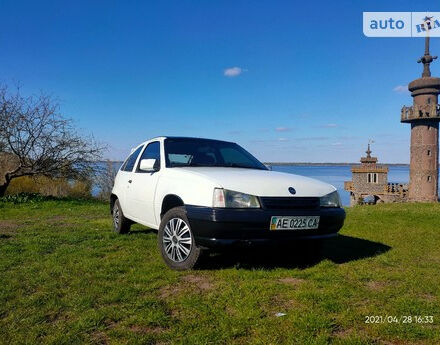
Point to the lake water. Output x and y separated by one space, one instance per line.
337 174
333 174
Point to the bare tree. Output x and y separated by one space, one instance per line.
36 139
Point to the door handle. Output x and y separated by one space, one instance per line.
130 181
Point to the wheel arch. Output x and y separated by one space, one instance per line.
113 198
170 201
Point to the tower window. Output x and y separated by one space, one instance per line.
429 100
372 178
429 178
429 152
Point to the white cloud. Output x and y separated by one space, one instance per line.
283 129
283 139
349 137
233 72
327 125
401 89
314 138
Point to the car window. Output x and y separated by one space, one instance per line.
179 158
131 160
152 151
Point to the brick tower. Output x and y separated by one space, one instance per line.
424 117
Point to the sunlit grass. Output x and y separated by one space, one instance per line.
65 277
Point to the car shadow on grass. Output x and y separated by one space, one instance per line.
142 231
340 249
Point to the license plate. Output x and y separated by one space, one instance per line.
294 223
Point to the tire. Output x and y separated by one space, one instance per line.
121 225
176 240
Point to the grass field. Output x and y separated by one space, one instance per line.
66 278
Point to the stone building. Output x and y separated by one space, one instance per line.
424 117
370 181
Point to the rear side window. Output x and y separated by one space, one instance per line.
152 151
131 160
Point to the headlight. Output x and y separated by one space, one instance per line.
331 200
231 199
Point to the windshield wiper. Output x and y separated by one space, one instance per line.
199 165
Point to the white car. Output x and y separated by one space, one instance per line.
202 193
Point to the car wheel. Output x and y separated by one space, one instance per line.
121 225
176 240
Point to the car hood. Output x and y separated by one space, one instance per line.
262 182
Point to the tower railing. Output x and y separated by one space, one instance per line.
396 188
369 168
420 112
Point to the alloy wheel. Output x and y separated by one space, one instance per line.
116 217
177 240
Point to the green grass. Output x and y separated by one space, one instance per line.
66 278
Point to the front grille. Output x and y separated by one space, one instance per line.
289 202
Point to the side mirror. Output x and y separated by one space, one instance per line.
148 165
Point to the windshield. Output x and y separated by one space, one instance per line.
184 152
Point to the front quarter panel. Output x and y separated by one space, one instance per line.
191 188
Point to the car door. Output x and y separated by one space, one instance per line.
143 186
124 179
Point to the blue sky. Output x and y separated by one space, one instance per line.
311 88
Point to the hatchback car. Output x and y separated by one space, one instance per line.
203 193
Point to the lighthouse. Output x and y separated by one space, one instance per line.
424 118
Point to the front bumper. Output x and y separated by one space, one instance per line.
213 227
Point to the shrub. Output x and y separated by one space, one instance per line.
56 187
21 198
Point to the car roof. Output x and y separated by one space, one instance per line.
185 138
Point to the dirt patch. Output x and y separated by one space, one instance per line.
376 285
58 220
428 297
8 228
100 338
280 304
147 329
343 332
398 342
187 283
200 282
170 290
291 281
